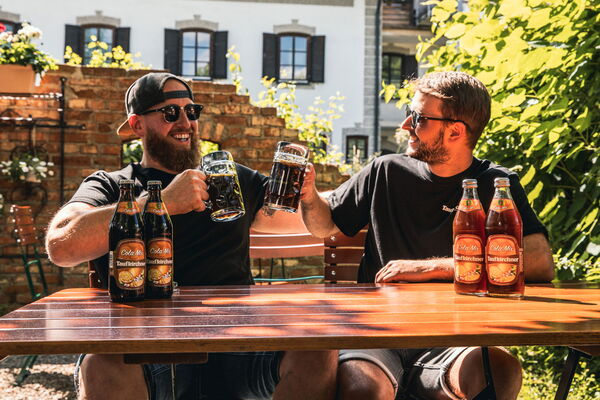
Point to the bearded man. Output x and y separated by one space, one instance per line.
408 201
161 111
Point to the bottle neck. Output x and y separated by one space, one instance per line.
154 196
502 192
470 193
126 195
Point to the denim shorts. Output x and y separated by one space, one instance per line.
414 373
241 375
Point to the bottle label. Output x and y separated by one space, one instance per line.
500 205
469 205
129 266
128 207
160 262
157 208
504 257
468 258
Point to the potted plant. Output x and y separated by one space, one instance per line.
20 59
26 167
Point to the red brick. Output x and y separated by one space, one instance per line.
236 98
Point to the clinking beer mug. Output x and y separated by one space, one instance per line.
226 202
287 176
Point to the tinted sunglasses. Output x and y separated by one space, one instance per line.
415 118
171 112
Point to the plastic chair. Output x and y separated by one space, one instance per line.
27 239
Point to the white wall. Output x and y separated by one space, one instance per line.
245 21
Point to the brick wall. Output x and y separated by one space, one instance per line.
94 97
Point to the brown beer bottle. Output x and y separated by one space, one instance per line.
468 231
127 254
158 232
504 248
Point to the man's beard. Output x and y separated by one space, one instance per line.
171 156
434 153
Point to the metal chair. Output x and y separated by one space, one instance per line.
27 238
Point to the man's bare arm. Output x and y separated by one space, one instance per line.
315 209
537 258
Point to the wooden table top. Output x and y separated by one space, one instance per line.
300 317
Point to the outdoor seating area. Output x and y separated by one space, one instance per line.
324 199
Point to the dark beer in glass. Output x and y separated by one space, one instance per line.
226 202
158 234
469 242
287 177
127 254
504 248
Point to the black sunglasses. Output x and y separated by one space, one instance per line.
415 118
171 112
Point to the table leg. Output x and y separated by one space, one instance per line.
568 372
488 393
173 391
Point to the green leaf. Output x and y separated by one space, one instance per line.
455 31
514 100
591 217
528 176
535 192
549 206
539 18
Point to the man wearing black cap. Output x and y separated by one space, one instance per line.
161 111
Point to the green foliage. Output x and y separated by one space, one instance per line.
17 48
539 60
313 127
133 150
103 57
542 367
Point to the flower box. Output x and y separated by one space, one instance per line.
16 78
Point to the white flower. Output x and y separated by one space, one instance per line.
30 31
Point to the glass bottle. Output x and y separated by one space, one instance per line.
468 231
504 248
158 232
127 254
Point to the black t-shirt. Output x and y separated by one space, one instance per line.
410 210
205 252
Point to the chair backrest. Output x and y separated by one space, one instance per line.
93 278
275 245
27 239
342 256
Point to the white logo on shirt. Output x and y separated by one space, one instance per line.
448 209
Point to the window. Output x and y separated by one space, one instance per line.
96 33
78 37
356 147
10 26
195 54
395 68
294 57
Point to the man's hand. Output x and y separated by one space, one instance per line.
309 193
416 270
187 192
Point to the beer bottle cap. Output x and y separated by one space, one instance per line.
155 183
501 182
126 182
469 183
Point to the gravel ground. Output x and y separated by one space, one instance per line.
51 378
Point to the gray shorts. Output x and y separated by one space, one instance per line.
242 375
414 373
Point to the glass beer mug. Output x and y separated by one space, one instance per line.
287 176
225 195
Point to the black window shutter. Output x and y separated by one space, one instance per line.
270 55
73 37
172 51
410 67
317 59
219 60
18 26
123 38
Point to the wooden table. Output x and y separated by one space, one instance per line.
300 317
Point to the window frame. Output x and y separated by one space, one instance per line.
14 25
97 26
210 53
389 67
366 142
308 64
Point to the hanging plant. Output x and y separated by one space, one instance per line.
25 167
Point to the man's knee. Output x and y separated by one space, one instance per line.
358 379
101 375
466 375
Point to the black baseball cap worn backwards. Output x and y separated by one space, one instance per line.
146 92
